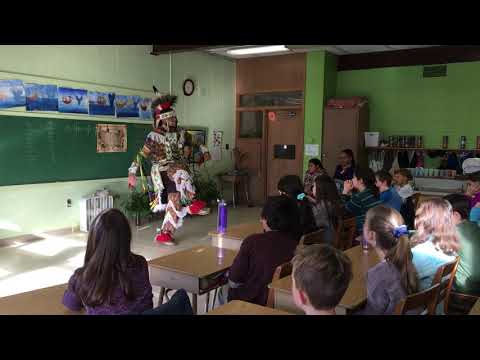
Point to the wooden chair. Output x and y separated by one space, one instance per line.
416 199
444 277
280 272
345 234
316 237
460 304
426 299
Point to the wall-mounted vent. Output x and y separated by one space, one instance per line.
434 71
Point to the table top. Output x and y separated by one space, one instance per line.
237 307
476 309
47 301
356 293
240 232
200 261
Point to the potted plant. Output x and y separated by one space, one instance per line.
137 206
206 187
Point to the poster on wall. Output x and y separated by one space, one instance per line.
217 145
145 108
72 100
12 93
196 137
41 97
101 103
111 138
127 105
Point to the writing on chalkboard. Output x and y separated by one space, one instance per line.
42 150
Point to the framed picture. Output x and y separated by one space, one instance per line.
195 136
111 138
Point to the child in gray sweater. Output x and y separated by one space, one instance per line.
395 277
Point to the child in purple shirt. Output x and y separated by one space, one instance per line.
113 280
473 188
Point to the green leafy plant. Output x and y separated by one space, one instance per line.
137 204
206 187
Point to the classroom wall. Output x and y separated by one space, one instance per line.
402 102
126 70
320 85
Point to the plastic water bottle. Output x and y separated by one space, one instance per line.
222 217
365 245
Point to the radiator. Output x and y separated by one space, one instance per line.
91 207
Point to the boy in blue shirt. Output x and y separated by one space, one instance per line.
388 194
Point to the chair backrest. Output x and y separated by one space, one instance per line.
425 299
416 199
316 237
345 233
280 272
444 277
408 210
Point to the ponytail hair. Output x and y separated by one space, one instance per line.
392 237
292 186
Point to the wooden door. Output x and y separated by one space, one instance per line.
251 141
339 133
284 147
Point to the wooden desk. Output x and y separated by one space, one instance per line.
234 236
237 307
476 309
355 295
47 301
197 270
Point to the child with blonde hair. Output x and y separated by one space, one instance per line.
435 242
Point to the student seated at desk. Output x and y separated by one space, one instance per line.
321 275
260 254
394 277
345 168
315 169
475 214
365 198
291 186
435 242
473 188
467 280
402 179
113 280
327 206
388 194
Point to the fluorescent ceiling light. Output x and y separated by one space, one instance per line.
258 50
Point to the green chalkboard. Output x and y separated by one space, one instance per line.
40 150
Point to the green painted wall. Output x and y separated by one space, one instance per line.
330 76
402 102
320 85
314 96
126 70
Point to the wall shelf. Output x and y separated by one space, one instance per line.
422 149
457 177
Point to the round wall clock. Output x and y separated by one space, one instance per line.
188 87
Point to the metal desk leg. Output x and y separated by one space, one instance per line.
207 302
160 298
194 304
245 184
234 191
